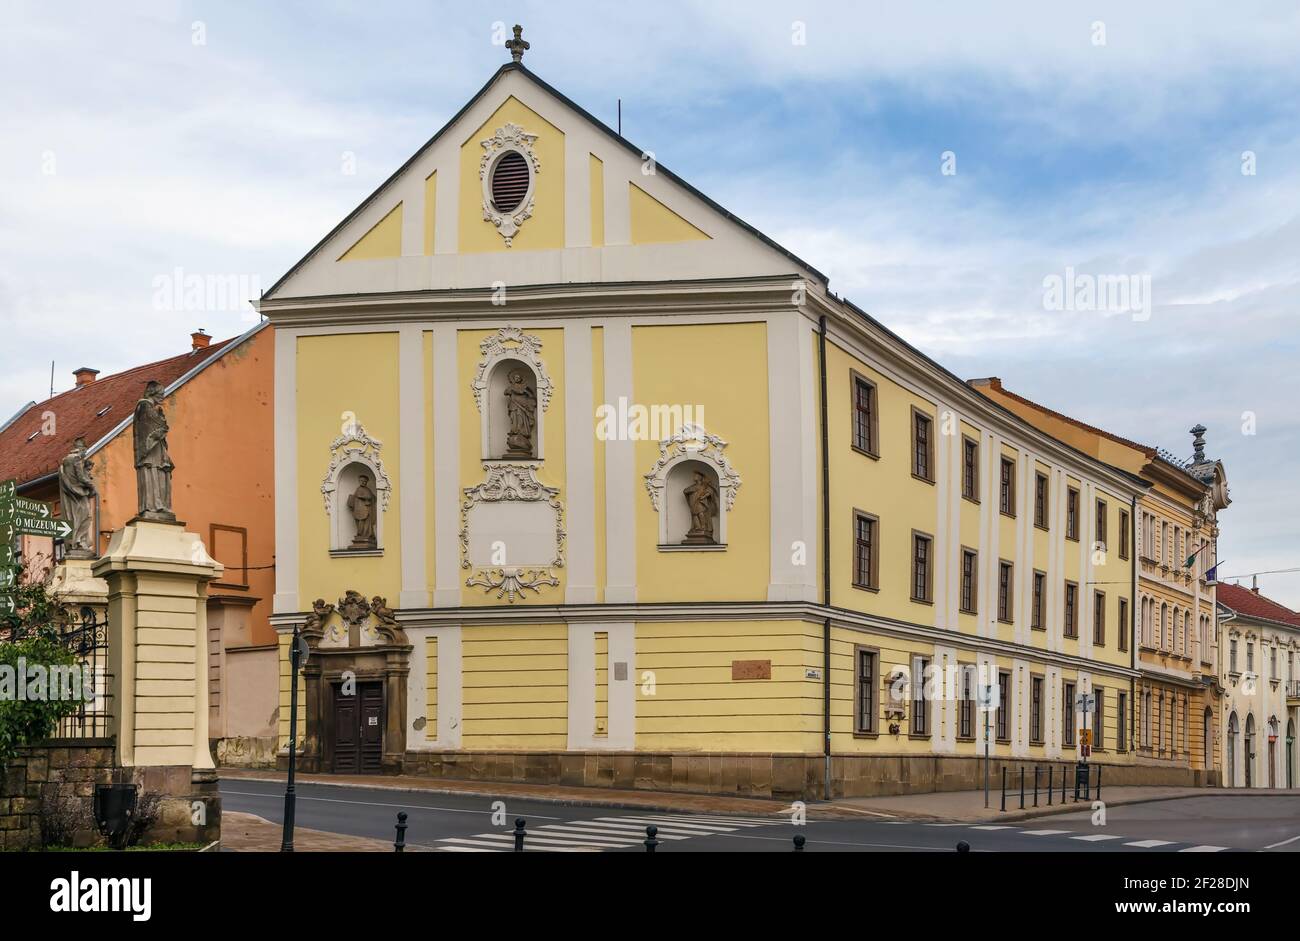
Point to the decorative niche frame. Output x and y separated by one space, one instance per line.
508 137
692 444
507 345
522 516
351 453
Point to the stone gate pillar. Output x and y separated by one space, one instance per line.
158 575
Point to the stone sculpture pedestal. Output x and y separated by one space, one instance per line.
73 583
157 576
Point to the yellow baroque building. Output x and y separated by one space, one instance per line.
1179 702
581 479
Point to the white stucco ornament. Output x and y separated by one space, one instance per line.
692 443
508 137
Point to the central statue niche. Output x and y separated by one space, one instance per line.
512 412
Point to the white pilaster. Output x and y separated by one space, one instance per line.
446 468
621 477
792 437
580 464
411 482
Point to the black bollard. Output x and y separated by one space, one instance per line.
1098 782
400 845
1004 787
1022 787
650 841
1064 775
798 842
520 833
963 846
1035 785
1049 785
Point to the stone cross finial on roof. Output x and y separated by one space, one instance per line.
518 46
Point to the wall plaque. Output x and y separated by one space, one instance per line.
751 669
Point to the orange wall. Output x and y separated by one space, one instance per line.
222 443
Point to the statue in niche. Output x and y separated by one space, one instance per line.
77 501
702 500
362 507
521 410
153 465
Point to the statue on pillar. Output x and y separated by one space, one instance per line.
77 495
153 465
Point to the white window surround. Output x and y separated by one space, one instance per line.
509 344
354 448
508 137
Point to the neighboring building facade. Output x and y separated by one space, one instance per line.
507 567
218 406
1263 641
1177 701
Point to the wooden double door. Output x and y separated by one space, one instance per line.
359 729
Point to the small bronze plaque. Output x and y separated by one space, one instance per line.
751 669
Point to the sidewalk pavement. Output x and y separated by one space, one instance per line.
248 833
954 806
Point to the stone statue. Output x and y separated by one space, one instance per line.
77 499
521 409
153 465
702 499
362 506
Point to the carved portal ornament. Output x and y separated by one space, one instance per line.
693 443
354 446
512 343
354 622
508 137
520 512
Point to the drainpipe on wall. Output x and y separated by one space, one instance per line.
826 563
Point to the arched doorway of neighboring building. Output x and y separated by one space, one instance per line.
1249 753
1232 750
1207 739
1272 751
1290 753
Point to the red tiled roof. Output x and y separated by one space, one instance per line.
1254 605
90 411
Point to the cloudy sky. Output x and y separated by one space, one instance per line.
1161 143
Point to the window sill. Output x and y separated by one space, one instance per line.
874 455
969 499
924 480
869 736
356 553
1009 516
874 589
678 547
929 601
919 736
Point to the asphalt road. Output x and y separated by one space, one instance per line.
471 823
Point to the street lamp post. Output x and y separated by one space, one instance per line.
290 799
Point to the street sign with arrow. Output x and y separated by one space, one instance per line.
11 507
7 605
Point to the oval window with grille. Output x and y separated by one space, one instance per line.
509 181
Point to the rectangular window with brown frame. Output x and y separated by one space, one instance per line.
866 416
1036 710
1123 624
922 446
1006 584
970 469
1124 534
1036 620
1099 718
1007 488
229 546
1099 618
868 659
1067 714
1072 514
1003 723
969 580
866 554
922 568
1071 609
920 703
1100 535
1041 487
966 708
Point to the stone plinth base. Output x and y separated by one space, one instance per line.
189 807
785 777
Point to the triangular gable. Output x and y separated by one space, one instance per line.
598 210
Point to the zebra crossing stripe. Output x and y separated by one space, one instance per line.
462 849
1148 844
697 829
723 821
992 827
615 836
1043 832
1096 837
1203 849
627 828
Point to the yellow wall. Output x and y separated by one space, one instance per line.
735 408
338 375
652 221
515 686
384 240
545 230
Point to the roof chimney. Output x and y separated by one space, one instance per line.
199 340
1254 584
85 375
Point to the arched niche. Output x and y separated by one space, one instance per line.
519 378
353 455
690 452
343 522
